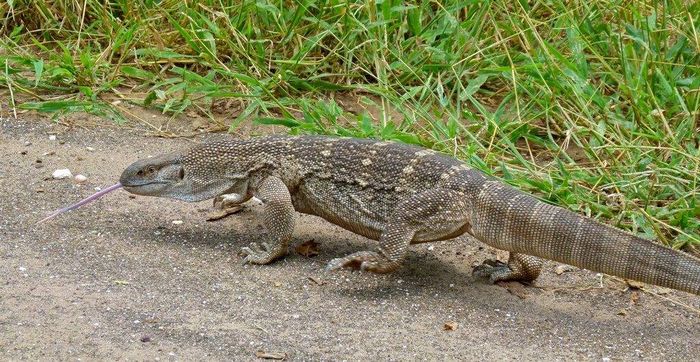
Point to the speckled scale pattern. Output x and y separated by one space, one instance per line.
399 195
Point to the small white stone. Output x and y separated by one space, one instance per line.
22 269
98 188
80 178
52 137
27 143
61 174
431 247
177 222
90 149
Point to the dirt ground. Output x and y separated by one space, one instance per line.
148 278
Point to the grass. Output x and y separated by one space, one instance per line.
591 105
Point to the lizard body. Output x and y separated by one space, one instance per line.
401 195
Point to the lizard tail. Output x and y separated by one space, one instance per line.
511 220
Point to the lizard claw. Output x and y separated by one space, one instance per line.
365 261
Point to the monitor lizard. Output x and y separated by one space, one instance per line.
399 195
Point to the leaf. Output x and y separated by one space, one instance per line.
38 70
450 326
220 214
308 248
287 122
138 73
473 86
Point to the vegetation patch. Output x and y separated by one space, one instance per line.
592 105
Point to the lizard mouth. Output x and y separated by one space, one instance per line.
141 184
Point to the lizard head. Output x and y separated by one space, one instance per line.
158 176
192 176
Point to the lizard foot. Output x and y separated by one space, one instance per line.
494 270
520 267
364 260
255 254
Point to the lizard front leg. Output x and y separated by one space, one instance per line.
431 215
278 217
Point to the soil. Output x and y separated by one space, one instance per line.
149 278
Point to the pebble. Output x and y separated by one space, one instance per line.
90 149
177 222
80 178
61 174
52 137
27 143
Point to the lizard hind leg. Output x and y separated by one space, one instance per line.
520 267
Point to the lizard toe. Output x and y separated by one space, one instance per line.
363 260
255 254
333 265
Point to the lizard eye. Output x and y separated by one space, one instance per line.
181 174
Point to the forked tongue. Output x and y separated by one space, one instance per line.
82 202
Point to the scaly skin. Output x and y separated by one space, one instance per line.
401 195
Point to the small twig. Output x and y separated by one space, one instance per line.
9 86
689 307
82 22
260 328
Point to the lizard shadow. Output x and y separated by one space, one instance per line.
423 272
421 269
425 277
